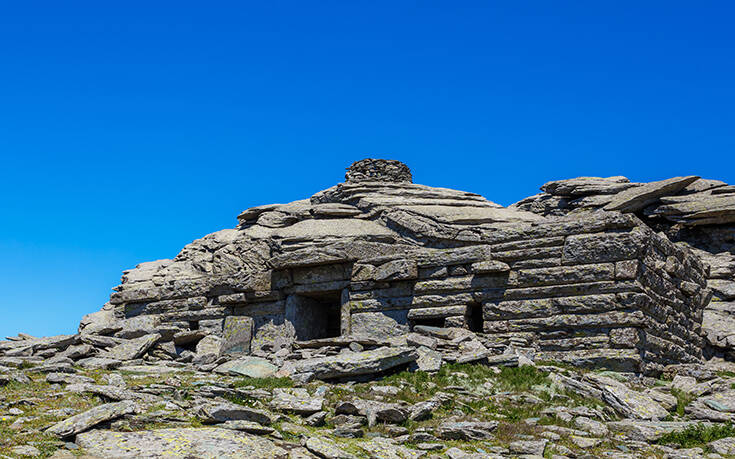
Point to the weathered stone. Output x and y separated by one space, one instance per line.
296 400
724 446
684 383
535 448
253 367
248 426
648 431
90 418
466 431
627 402
384 448
326 448
208 349
179 442
583 186
353 364
97 363
237 335
132 349
226 411
635 199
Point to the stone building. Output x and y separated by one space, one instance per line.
378 255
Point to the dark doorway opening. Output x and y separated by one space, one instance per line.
193 325
474 317
315 315
433 322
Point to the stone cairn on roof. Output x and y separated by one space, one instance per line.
377 275
378 170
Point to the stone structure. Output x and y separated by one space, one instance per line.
695 213
580 273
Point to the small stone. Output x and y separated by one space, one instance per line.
585 442
326 449
535 448
26 450
248 426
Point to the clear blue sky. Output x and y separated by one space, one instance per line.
129 130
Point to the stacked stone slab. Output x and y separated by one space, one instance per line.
377 255
691 211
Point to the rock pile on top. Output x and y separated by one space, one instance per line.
369 170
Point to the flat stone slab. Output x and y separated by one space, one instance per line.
325 448
132 349
296 400
253 367
628 402
353 364
90 418
635 199
649 431
207 443
228 411
151 369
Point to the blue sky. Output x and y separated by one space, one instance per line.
129 130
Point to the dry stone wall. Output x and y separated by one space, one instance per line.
378 255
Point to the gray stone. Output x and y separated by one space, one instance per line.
253 367
237 335
133 348
208 443
532 447
466 431
208 349
724 446
26 450
326 449
248 426
684 383
596 428
296 400
635 199
227 411
354 364
98 363
383 448
647 431
90 418
627 402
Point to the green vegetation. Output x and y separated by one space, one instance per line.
682 400
264 383
697 435
521 378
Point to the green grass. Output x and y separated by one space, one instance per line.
521 378
682 400
264 383
697 435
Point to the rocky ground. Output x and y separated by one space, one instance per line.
359 400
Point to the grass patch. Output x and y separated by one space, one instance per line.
521 378
697 435
682 400
263 383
